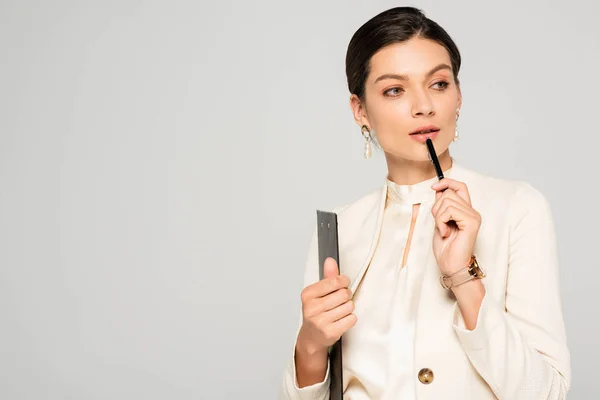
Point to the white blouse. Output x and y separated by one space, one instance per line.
386 323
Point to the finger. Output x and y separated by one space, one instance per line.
442 228
465 212
459 187
324 287
333 300
448 194
339 312
463 220
342 325
330 268
448 202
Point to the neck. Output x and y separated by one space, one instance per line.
409 172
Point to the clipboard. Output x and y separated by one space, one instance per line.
327 229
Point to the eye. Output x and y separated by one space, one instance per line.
393 92
442 85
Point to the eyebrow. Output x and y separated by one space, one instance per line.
405 78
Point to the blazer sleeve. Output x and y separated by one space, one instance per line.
520 348
290 389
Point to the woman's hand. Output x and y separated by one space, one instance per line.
457 225
327 310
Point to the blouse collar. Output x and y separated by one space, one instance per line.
420 192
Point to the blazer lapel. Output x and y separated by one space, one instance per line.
359 232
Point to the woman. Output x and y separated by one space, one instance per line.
416 324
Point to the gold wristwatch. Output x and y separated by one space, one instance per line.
472 271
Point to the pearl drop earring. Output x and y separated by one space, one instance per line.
366 132
456 134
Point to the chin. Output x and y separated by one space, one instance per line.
412 156
416 154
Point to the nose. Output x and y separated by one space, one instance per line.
422 105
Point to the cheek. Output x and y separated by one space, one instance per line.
446 111
447 105
389 113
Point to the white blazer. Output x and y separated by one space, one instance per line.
518 349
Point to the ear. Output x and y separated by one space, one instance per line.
359 111
459 104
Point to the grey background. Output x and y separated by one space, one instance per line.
161 163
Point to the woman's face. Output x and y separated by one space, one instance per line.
410 87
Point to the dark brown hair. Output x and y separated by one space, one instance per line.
395 25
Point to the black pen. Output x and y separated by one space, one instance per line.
434 159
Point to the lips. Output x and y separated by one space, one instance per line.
425 129
422 137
